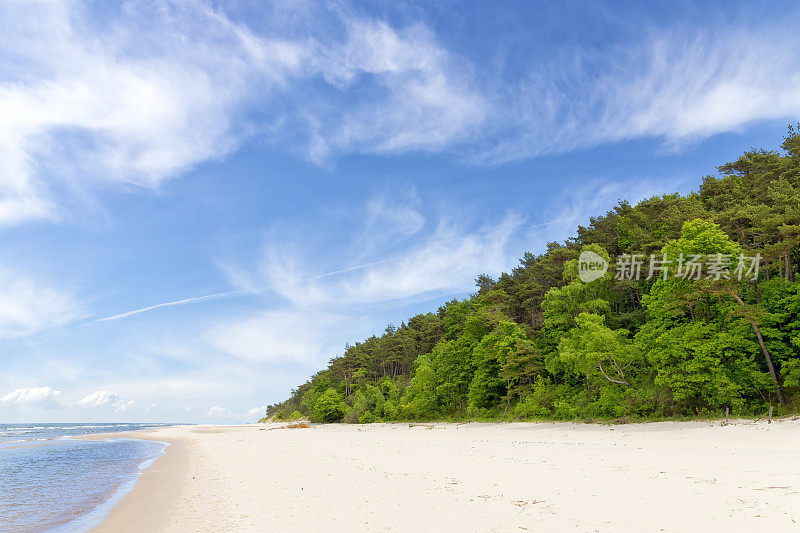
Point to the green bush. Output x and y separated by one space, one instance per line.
367 418
329 407
536 404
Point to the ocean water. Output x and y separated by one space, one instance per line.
50 481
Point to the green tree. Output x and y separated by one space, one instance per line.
329 407
563 305
598 353
538 341
695 337
488 386
419 400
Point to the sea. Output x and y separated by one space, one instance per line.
51 481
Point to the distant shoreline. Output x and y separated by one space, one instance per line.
470 477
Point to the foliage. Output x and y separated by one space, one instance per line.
597 353
538 342
329 407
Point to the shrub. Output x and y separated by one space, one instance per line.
329 407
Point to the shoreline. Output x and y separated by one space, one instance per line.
674 476
147 503
96 516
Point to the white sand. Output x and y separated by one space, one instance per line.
472 477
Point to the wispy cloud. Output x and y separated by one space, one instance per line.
388 220
308 325
145 93
318 313
226 294
284 335
674 83
418 95
141 94
28 306
443 261
136 97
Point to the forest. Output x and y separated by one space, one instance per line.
539 343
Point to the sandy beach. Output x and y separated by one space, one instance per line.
689 476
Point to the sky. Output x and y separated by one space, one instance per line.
201 203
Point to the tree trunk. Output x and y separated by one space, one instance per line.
758 293
786 268
763 348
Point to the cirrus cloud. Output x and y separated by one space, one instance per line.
28 306
140 94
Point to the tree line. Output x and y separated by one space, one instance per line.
540 343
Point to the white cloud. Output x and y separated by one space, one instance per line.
28 306
676 84
444 261
143 93
140 98
274 336
423 97
140 95
319 313
34 396
256 412
222 413
389 221
696 86
103 398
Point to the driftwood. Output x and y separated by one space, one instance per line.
426 426
295 425
768 415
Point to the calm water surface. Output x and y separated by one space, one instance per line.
52 482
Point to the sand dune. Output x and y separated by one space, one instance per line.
472 477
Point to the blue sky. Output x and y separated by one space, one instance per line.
201 203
